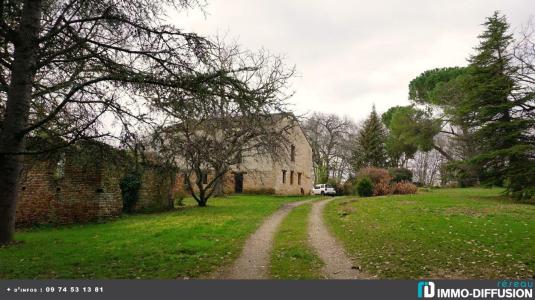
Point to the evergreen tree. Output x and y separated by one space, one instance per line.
491 108
370 150
409 129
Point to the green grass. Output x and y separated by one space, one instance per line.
448 233
292 258
188 242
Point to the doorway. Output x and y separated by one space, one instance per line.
238 183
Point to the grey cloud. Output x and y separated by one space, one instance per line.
351 54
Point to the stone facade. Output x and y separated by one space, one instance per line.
259 174
295 176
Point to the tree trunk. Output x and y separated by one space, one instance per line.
171 190
202 195
16 115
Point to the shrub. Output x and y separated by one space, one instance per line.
130 185
376 175
527 195
349 187
179 199
365 187
404 187
400 174
381 189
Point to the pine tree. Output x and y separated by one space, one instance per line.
492 109
370 150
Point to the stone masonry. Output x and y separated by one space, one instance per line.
262 175
65 190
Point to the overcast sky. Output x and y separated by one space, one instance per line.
350 54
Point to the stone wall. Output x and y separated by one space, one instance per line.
156 192
64 191
68 189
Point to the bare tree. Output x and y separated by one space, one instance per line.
67 64
207 133
524 57
426 167
330 137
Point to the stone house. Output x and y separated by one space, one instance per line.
260 174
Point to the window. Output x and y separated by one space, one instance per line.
283 176
204 178
292 177
299 178
292 153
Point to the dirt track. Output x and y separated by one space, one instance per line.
337 264
253 262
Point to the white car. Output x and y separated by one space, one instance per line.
323 189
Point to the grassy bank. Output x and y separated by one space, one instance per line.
447 233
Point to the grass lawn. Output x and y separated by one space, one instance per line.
446 233
292 257
188 242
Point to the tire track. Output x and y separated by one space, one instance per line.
338 265
253 262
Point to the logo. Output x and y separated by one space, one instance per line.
426 289
516 289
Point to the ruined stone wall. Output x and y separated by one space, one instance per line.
69 188
156 192
65 191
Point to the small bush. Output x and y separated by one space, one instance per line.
349 187
400 174
365 187
382 189
179 199
527 195
179 202
130 185
404 187
376 175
